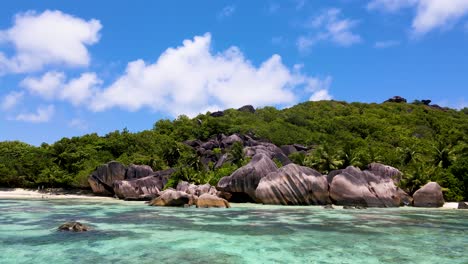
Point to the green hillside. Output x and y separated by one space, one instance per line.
425 142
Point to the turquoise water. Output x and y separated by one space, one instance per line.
135 233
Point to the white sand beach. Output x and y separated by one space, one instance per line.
18 193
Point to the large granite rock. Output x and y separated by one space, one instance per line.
247 108
243 182
269 149
139 189
172 197
369 188
196 190
385 172
293 185
102 179
208 201
138 171
430 195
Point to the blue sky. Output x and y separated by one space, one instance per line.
68 69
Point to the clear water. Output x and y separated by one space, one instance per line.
135 233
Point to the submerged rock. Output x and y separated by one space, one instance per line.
73 227
173 198
208 201
244 181
293 185
430 195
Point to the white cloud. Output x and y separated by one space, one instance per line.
42 115
190 79
320 88
329 27
430 14
11 100
46 86
51 37
227 11
386 44
78 90
52 85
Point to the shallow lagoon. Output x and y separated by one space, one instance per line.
131 232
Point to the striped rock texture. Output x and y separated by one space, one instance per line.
143 188
352 186
244 181
293 185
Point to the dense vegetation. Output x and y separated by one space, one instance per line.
426 143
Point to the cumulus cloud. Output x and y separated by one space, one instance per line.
430 14
46 86
386 44
328 26
11 100
227 11
52 85
42 115
48 38
320 88
191 79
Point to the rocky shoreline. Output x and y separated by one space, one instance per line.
262 181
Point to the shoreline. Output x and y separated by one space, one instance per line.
20 193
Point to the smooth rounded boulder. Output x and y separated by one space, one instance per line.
430 195
293 185
368 188
173 198
211 201
244 181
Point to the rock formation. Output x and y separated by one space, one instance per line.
430 195
370 188
243 182
293 185
172 197
208 201
102 179
73 227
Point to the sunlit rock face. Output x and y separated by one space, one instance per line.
293 185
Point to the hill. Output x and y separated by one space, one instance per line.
427 143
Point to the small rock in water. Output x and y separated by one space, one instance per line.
73 227
329 206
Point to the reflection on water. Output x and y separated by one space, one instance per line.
136 233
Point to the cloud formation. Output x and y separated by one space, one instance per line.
191 79
430 14
48 38
328 26
43 114
11 100
52 85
